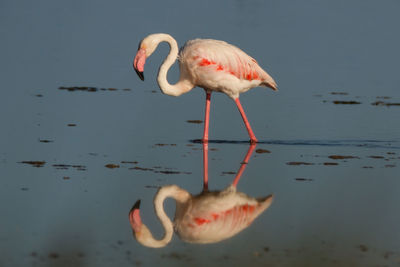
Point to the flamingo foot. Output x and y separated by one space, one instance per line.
253 140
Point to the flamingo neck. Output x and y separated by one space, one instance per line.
180 196
183 85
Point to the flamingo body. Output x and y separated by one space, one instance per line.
206 218
210 64
214 216
218 66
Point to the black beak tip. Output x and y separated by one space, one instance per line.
136 206
140 74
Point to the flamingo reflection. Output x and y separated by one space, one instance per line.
209 217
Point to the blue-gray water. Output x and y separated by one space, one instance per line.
73 210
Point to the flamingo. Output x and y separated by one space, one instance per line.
210 64
206 218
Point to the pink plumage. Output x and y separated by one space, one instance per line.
219 66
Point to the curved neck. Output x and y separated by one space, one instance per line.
183 85
180 196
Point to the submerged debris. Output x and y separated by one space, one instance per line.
387 104
36 164
194 121
89 89
342 157
112 166
67 166
78 88
45 141
339 93
304 179
260 151
331 163
351 102
164 144
296 163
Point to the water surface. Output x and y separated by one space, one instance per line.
73 162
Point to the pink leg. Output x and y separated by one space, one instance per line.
244 164
205 166
253 138
207 117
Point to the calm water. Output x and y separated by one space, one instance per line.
62 205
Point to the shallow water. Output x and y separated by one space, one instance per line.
73 162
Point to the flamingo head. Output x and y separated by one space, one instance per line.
140 231
145 49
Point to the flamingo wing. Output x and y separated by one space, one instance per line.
216 60
216 218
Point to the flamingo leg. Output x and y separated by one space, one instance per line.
207 117
205 166
244 164
253 138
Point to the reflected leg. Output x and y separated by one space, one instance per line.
244 164
205 166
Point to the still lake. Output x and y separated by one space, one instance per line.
82 138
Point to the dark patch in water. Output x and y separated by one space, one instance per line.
229 172
39 95
261 151
78 88
341 102
170 172
157 170
24 189
129 162
342 157
330 163
165 144
368 167
36 164
304 179
387 104
45 141
389 144
71 124
141 169
89 89
112 166
363 248
296 163
194 121
339 93
67 166
66 178
376 157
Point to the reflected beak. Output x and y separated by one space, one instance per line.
139 61
134 217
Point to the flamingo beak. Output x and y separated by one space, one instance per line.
134 218
139 61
